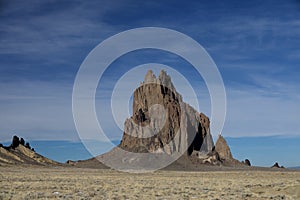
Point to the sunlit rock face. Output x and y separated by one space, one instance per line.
163 123
223 149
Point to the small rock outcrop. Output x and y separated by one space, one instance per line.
15 142
27 145
22 141
223 149
247 162
17 153
276 165
71 162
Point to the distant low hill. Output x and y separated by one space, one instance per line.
20 152
297 167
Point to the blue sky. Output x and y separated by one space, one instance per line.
255 45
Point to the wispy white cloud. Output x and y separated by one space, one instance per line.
53 33
37 110
272 109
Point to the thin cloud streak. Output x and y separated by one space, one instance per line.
43 43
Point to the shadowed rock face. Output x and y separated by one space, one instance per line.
15 142
162 122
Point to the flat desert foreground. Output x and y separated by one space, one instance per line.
76 183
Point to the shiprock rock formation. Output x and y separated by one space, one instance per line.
20 152
163 123
164 132
159 108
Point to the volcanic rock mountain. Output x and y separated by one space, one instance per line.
158 97
163 132
162 124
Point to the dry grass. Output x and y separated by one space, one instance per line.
73 183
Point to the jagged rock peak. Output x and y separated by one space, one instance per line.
150 77
163 79
223 149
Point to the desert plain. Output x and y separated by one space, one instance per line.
35 182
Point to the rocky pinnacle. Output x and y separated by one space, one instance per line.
162 122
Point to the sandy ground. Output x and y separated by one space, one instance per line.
73 183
